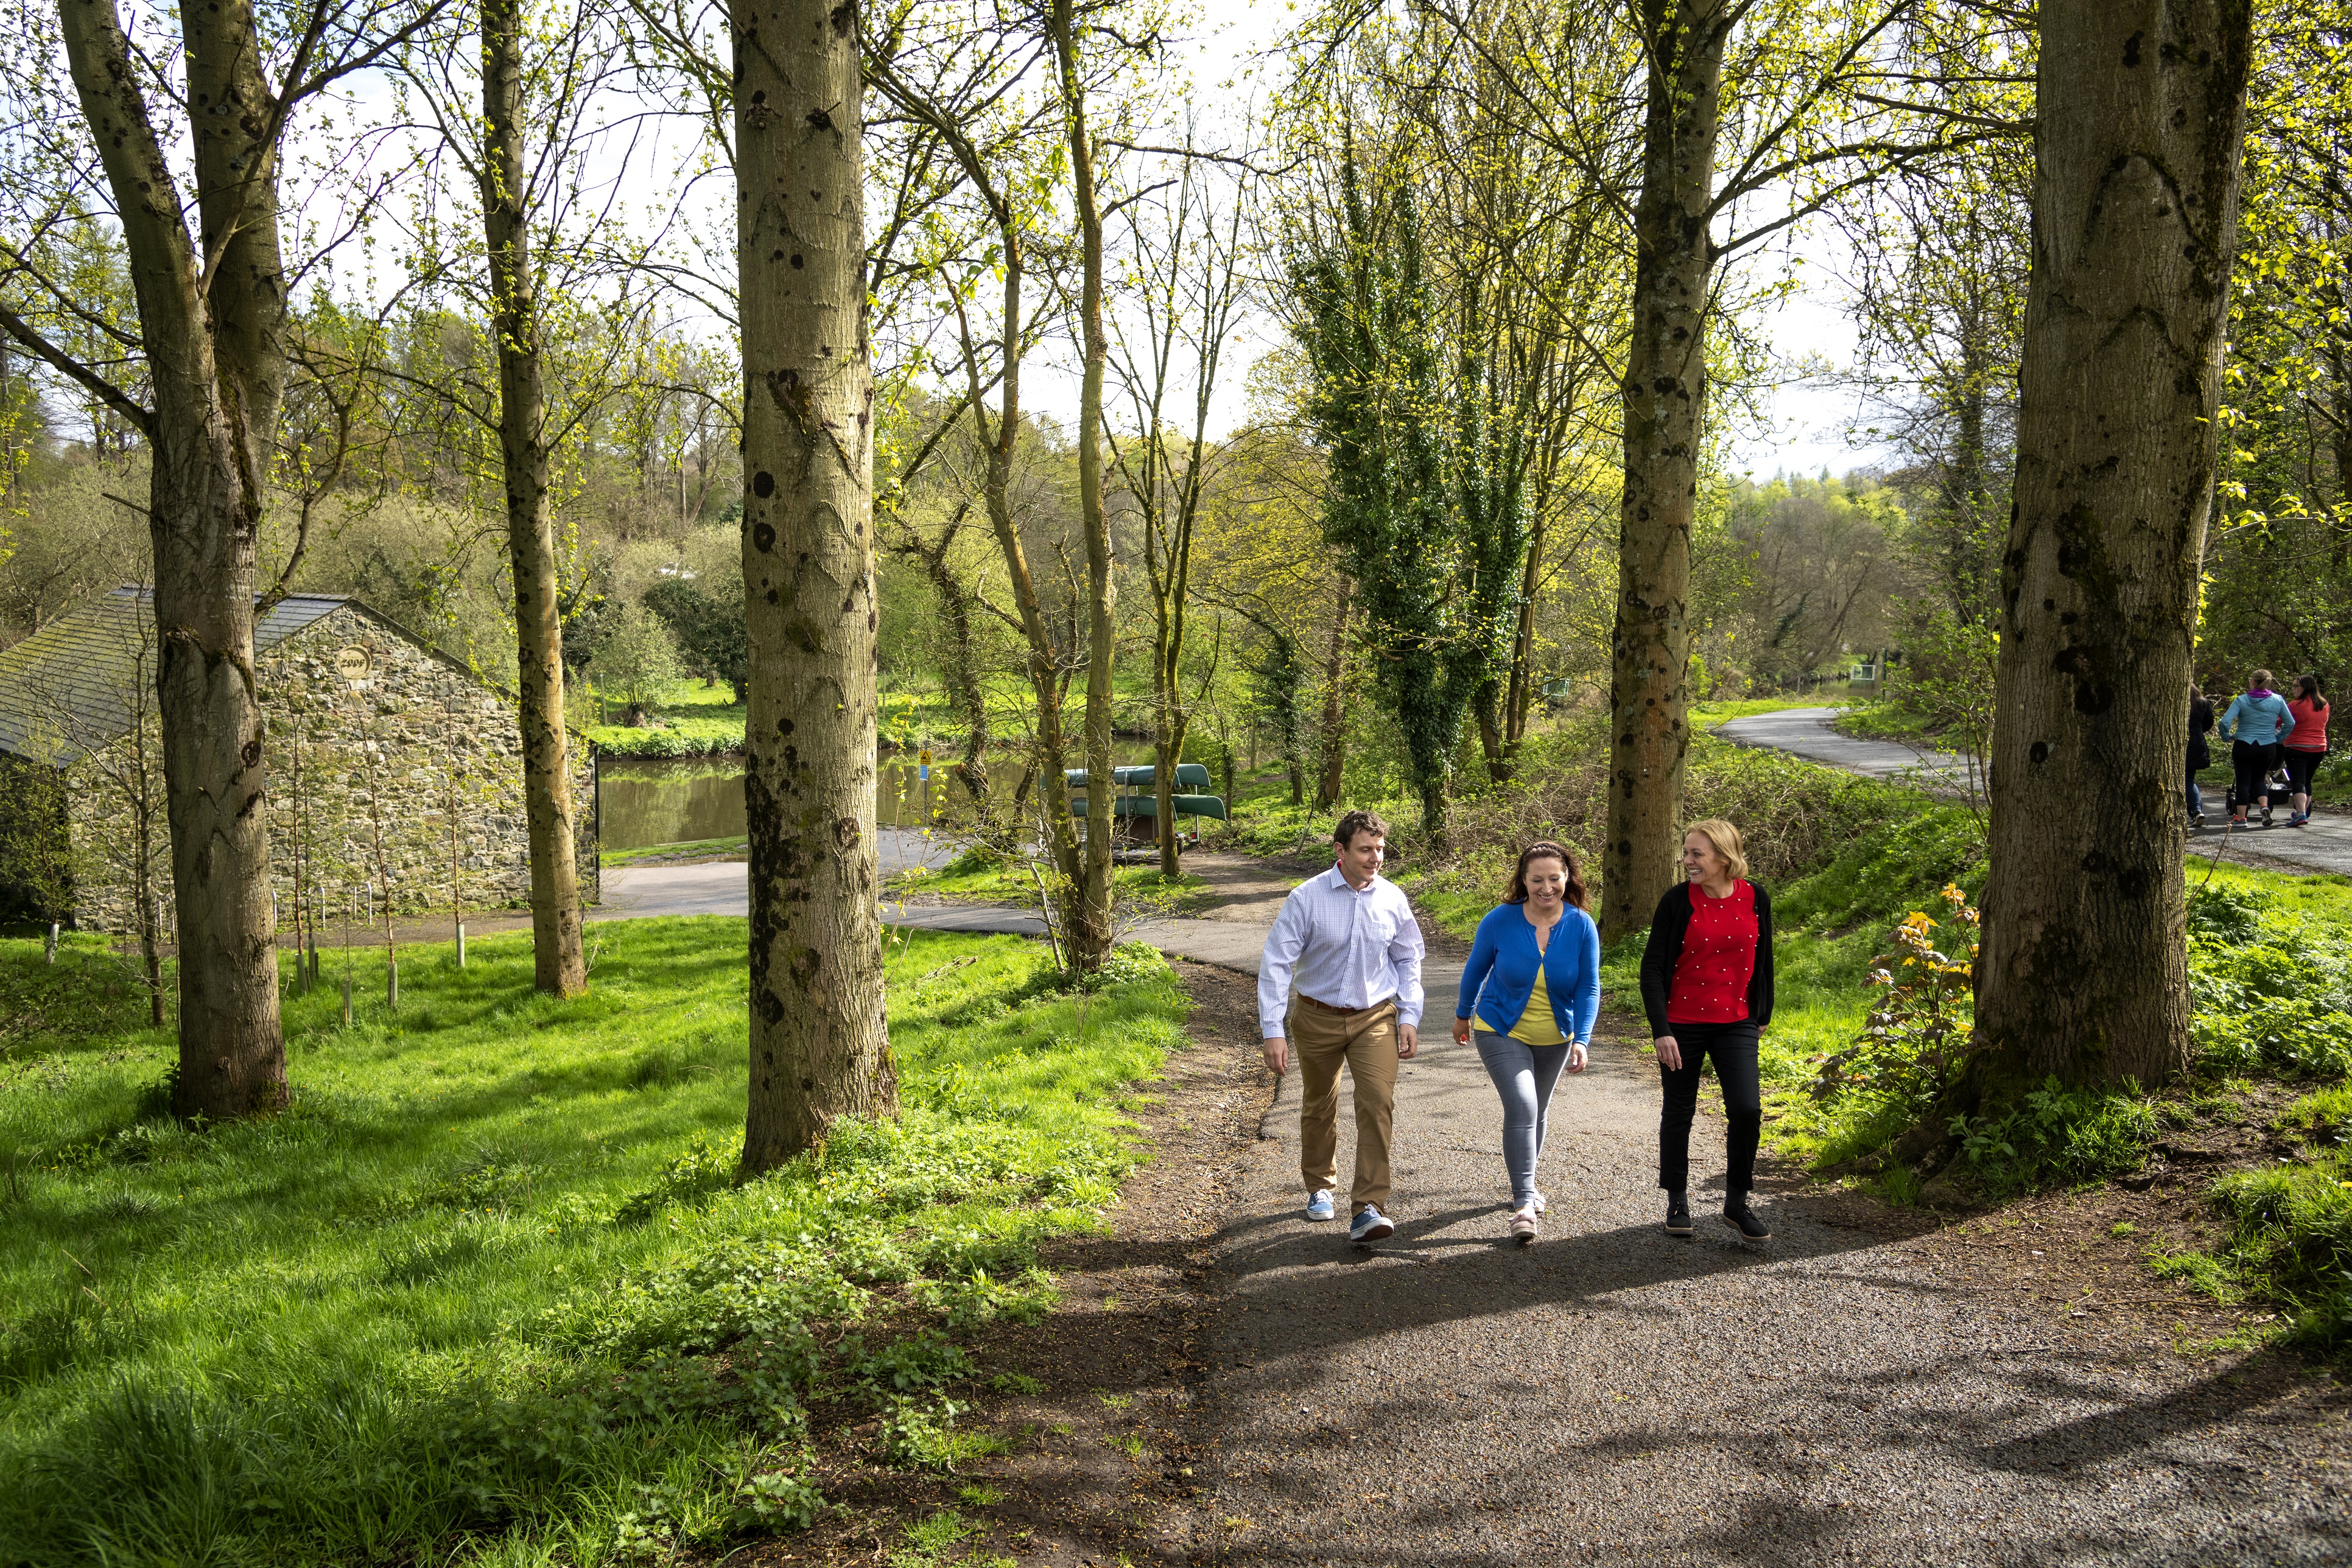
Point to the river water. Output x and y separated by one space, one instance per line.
655 800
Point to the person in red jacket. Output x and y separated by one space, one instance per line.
2305 744
1706 985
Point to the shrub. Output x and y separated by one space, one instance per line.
1917 1031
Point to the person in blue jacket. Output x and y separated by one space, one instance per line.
1534 977
2257 721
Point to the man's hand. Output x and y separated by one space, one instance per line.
1408 1041
1670 1053
1277 1054
1461 1032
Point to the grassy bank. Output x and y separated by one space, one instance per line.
978 876
486 1291
690 719
734 849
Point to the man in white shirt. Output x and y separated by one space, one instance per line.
1349 938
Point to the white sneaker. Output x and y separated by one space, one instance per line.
1523 1226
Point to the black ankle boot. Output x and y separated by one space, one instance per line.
1742 1218
1678 1219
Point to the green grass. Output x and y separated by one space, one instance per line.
971 878
692 849
689 719
1707 715
466 1296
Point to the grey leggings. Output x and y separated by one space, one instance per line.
1524 1076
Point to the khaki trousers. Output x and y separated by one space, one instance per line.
1367 1043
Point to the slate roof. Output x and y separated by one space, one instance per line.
71 677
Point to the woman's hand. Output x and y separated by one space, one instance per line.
1577 1056
1670 1054
1461 1032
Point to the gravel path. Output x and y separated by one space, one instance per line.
1613 1395
2325 844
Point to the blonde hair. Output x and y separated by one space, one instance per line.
1727 842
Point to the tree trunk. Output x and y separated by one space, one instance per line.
213 336
820 1049
1665 399
964 684
2083 968
1334 778
1088 936
558 963
1523 642
1488 707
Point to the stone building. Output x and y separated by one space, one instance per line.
391 764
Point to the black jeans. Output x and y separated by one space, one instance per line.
2252 764
1733 1047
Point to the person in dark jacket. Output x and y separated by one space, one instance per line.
2200 756
1706 985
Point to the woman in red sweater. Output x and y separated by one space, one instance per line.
1707 984
2305 744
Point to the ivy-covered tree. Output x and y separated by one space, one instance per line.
1432 544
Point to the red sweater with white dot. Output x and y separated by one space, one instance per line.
1718 958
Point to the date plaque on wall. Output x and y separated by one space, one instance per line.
355 667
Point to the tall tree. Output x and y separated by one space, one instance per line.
1377 406
511 197
196 203
1807 122
1090 933
2083 968
1183 303
820 1049
1019 158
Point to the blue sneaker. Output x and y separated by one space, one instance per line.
1319 1206
1371 1225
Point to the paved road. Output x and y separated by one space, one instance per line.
1806 733
1611 1395
2325 844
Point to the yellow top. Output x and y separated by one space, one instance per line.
1536 1026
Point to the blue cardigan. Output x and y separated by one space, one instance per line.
1506 950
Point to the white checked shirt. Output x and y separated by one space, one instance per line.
1347 948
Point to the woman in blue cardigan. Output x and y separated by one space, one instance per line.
1535 977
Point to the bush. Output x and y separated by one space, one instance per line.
1918 1032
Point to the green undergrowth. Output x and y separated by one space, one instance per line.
2287 1226
2270 966
1797 815
488 1291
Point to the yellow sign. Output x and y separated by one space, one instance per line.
353 665
924 756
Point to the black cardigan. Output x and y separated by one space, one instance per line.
1667 927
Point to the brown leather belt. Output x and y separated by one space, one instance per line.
1343 1012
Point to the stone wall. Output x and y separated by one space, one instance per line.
388 763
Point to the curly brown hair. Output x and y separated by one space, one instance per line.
1543 849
